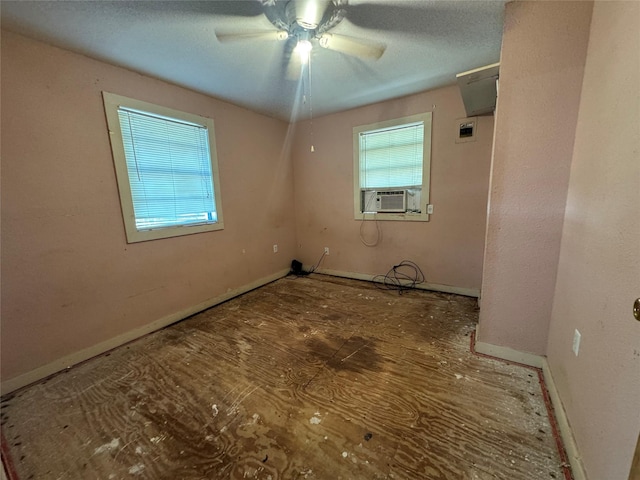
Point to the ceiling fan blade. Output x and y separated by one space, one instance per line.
235 8
407 18
416 17
251 35
352 46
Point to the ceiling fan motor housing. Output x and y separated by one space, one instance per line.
303 23
305 19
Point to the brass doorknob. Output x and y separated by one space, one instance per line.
636 309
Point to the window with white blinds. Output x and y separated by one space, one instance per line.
169 170
392 161
167 173
392 157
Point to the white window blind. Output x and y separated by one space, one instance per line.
392 157
169 167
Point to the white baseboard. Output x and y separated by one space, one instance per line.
575 459
102 347
537 361
506 353
467 292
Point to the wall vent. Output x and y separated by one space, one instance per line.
478 88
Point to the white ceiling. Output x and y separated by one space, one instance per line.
428 42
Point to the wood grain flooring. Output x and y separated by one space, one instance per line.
306 378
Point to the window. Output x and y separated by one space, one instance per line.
166 168
392 163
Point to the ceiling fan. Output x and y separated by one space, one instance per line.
301 24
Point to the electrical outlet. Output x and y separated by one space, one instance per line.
275 249
326 250
430 209
576 342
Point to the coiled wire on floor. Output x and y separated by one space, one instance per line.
403 276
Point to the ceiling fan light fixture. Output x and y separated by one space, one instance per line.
303 49
325 41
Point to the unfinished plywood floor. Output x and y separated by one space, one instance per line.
305 378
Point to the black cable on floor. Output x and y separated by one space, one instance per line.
403 276
313 269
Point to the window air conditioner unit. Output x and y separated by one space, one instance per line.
391 201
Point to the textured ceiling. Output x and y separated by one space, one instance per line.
427 43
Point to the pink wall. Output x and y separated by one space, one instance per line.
448 248
599 268
542 63
69 279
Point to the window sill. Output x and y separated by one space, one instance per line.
134 236
395 217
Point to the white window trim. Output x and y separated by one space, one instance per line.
426 169
111 104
